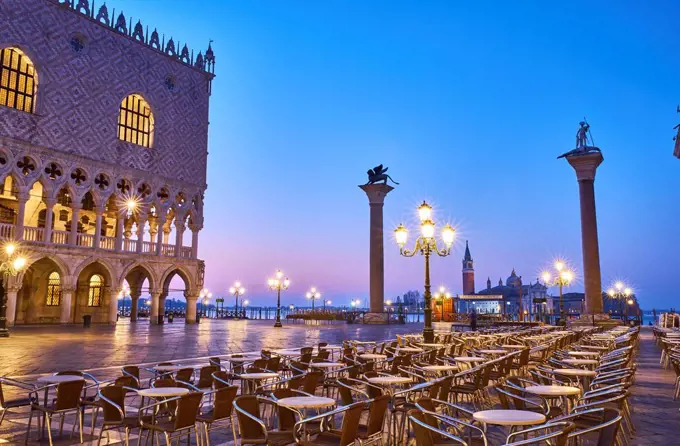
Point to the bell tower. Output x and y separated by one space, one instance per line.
468 272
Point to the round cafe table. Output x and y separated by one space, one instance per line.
242 359
162 392
509 417
579 353
169 368
563 392
372 356
249 377
439 368
432 345
586 362
512 346
409 349
326 365
388 382
595 347
469 361
306 402
493 352
58 379
583 375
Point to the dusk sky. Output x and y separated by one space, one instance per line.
468 103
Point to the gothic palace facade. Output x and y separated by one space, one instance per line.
103 151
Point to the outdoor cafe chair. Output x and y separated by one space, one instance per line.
67 400
112 399
181 423
428 435
16 403
345 436
465 429
222 410
133 372
252 428
601 423
554 434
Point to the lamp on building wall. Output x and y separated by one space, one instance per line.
278 283
561 276
237 290
12 264
426 245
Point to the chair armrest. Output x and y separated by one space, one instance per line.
16 383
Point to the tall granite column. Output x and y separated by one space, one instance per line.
376 198
585 167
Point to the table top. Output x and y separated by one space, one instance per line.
509 417
326 365
389 380
581 361
409 349
170 368
553 390
469 359
162 392
243 359
575 372
332 347
364 342
56 379
577 353
513 346
306 402
595 347
260 375
288 352
372 356
493 352
439 368
430 345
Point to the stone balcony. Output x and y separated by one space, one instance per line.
36 236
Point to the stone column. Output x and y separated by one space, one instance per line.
191 309
11 302
194 240
376 197
113 305
153 230
73 235
179 232
49 218
585 167
159 234
135 293
120 228
99 212
161 308
140 234
22 198
66 299
155 298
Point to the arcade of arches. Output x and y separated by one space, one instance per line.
62 288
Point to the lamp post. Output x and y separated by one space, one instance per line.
278 284
237 290
204 296
326 302
312 295
563 276
426 245
439 296
12 264
621 292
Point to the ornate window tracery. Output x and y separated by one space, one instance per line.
95 291
18 80
135 121
53 290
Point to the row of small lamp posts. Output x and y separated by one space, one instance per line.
623 293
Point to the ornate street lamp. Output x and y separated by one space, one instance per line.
278 284
426 244
204 296
563 276
12 264
621 292
439 296
124 293
313 294
237 291
326 302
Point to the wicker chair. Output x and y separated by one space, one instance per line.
7 405
345 436
67 400
112 401
182 423
252 429
221 411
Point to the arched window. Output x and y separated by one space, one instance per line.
96 290
18 80
135 121
53 289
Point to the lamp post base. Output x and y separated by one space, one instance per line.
277 324
4 333
428 335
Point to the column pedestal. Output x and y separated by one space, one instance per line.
585 167
11 302
66 298
191 309
155 298
376 194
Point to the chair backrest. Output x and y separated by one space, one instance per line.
215 360
68 394
117 396
165 382
428 405
423 435
205 378
312 381
187 409
350 424
394 366
286 416
376 414
221 379
274 364
184 374
296 382
132 370
306 357
125 381
346 397
306 350
321 345
248 428
224 402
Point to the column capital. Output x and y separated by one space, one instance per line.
376 192
585 165
195 228
50 202
23 195
99 210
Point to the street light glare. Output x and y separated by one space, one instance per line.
627 292
401 234
619 285
424 211
242 291
19 263
567 276
427 229
559 265
448 235
545 275
232 290
611 292
279 274
10 248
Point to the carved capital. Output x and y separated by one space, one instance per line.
376 192
585 166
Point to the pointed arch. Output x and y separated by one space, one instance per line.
182 273
18 80
145 268
112 278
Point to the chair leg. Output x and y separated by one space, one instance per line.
28 429
101 434
80 425
2 416
49 427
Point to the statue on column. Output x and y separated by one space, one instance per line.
584 141
378 174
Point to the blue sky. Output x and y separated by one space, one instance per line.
468 103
